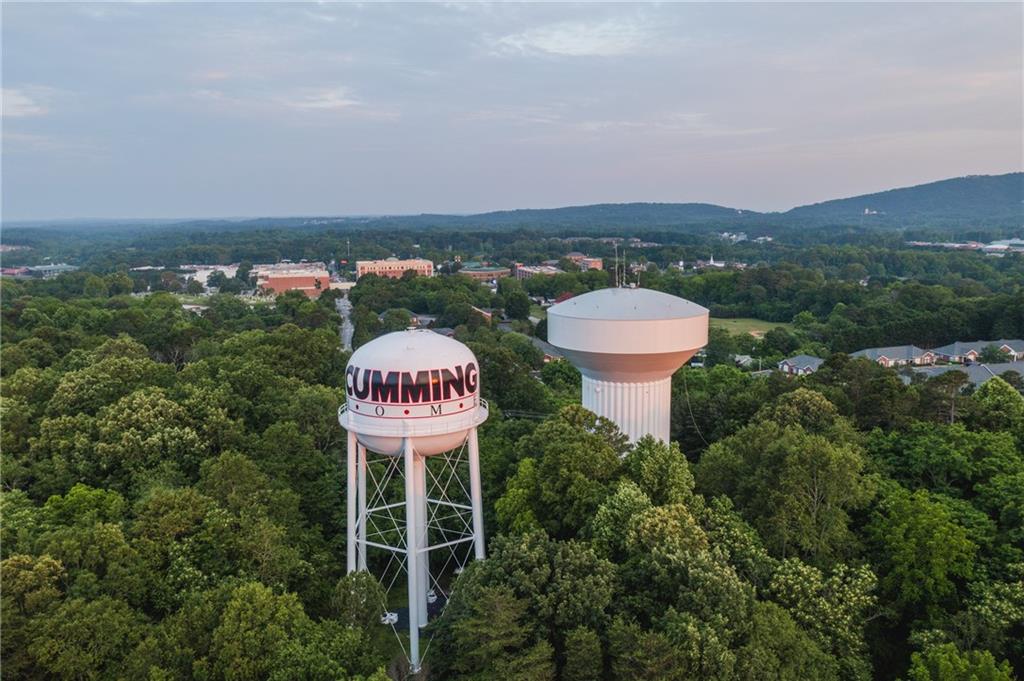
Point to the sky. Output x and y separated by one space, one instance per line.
152 110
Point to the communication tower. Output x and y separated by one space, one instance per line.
627 343
413 406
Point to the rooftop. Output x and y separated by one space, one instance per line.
627 304
902 352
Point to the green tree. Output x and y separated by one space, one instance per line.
576 466
795 487
991 354
834 609
997 406
358 600
561 376
31 583
95 287
491 639
89 389
119 284
661 471
778 649
921 553
255 626
947 663
86 638
145 437
721 347
615 516
517 305
583 658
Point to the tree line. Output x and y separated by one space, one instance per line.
172 502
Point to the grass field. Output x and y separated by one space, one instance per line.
755 327
538 312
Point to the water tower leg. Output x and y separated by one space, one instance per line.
411 554
422 539
361 529
350 489
477 496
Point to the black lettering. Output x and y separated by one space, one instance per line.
450 380
418 390
384 389
435 410
349 388
379 410
361 391
435 382
471 377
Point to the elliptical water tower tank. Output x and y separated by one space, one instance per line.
627 343
413 401
413 384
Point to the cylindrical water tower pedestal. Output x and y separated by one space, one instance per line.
627 343
413 396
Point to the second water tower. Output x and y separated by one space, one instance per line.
627 343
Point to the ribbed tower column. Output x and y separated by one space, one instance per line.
639 408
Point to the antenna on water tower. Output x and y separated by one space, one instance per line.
615 264
413 406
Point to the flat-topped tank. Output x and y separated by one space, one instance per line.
627 343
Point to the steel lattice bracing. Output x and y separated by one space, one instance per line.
423 511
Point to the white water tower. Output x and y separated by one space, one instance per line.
627 343
413 407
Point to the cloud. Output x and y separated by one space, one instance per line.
15 142
327 99
608 38
308 100
212 74
689 124
516 114
20 103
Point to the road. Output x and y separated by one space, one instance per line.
344 307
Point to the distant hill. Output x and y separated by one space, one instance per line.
974 201
610 215
975 197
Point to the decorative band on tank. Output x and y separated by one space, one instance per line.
385 387
427 410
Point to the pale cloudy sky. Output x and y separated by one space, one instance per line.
157 110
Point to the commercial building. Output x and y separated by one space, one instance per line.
485 272
311 284
311 278
50 271
201 273
394 268
527 271
585 262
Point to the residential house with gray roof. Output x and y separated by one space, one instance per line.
976 373
800 365
897 355
969 351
